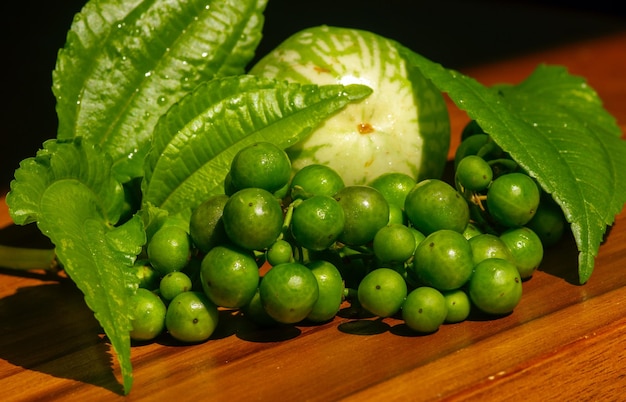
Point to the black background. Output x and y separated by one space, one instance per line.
455 33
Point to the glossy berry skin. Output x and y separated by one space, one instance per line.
169 249
495 286
394 244
288 292
473 173
330 285
512 199
317 222
279 252
435 205
315 179
365 210
443 260
260 165
458 304
205 226
253 218
191 317
174 283
487 245
148 312
525 247
229 276
394 186
382 292
424 310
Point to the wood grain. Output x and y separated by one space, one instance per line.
564 341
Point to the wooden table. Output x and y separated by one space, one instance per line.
564 341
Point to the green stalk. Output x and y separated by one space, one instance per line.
20 258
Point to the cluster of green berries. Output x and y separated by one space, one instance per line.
283 247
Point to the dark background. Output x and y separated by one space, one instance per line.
455 33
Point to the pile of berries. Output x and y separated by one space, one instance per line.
284 247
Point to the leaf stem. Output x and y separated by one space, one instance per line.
25 259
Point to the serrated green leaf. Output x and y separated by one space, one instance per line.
196 140
97 258
126 62
554 126
58 160
69 190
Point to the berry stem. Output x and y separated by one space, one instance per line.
289 215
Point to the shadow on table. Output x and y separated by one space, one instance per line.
561 260
49 329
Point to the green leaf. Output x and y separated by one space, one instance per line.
64 159
97 258
554 126
68 189
126 62
196 140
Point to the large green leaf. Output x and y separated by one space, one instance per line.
196 140
126 62
553 124
69 190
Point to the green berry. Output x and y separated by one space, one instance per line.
205 226
174 283
394 186
191 317
148 312
512 199
394 244
495 286
169 249
330 285
473 173
279 252
313 180
525 247
253 218
365 210
443 260
317 222
487 245
459 305
260 165
229 275
424 310
382 292
288 292
435 205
